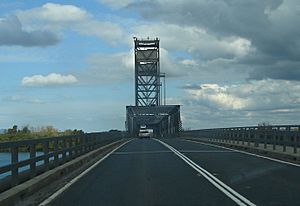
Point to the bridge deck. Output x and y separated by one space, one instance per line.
145 172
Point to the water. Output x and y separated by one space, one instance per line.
5 159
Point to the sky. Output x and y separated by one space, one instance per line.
228 63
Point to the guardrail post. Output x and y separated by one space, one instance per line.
275 140
298 141
243 136
90 142
295 144
70 149
33 161
94 145
284 143
256 140
76 146
55 150
265 139
64 153
14 167
86 142
74 143
46 152
249 138
82 143
229 137
234 140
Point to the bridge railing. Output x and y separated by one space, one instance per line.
47 153
275 135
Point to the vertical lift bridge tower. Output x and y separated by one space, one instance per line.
147 72
148 110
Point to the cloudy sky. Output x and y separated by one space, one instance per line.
70 63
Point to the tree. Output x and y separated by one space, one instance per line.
25 130
13 130
48 131
68 132
72 132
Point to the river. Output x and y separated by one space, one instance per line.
5 159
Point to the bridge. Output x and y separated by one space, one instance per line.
255 165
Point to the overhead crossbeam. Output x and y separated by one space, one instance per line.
164 119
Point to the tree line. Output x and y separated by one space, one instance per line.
27 132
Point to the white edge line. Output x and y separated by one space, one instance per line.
248 153
142 152
215 181
205 151
221 183
66 186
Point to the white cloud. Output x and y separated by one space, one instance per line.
14 98
249 103
254 95
171 66
119 67
258 33
116 3
52 79
189 62
23 99
194 39
217 95
58 17
12 33
106 68
56 13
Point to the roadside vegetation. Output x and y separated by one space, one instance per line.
26 132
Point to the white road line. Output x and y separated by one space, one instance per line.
142 152
248 153
61 190
168 151
232 194
205 151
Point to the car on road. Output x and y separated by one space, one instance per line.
144 134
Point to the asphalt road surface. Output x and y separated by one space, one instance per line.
175 172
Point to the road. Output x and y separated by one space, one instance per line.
180 172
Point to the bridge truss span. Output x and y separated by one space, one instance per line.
150 108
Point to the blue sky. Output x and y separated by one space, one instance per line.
70 64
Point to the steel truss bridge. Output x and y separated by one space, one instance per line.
150 108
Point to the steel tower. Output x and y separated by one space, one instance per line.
147 72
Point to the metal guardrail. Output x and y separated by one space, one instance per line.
55 151
283 135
